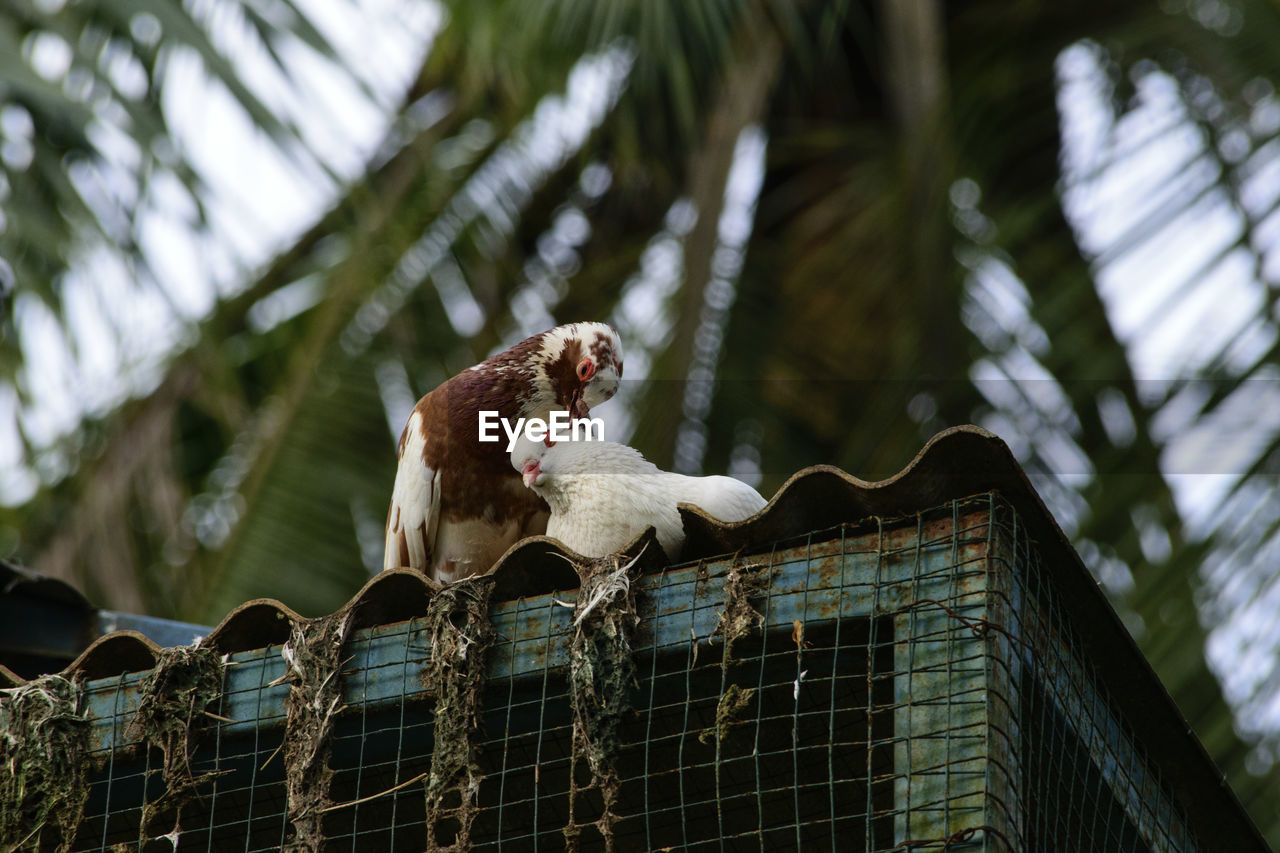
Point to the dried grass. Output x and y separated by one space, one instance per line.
172 704
601 675
43 738
460 634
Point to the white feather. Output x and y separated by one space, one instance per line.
603 494
415 503
725 498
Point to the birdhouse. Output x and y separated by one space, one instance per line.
917 664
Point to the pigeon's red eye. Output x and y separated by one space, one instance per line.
586 369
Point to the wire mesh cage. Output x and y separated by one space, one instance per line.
908 684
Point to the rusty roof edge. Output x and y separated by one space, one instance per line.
14 576
9 678
256 623
114 654
524 569
787 514
954 463
394 595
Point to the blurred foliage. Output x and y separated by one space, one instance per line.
915 159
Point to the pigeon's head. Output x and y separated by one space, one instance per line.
528 457
547 469
579 366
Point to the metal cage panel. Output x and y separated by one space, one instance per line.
914 685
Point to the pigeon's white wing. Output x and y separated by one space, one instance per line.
724 498
600 512
414 517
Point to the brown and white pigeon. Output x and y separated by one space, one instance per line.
456 505
603 494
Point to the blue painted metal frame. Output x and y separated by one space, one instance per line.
971 623
677 606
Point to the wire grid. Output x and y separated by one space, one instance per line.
915 687
242 807
1087 782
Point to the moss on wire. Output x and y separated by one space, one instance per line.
733 701
43 739
313 656
172 709
460 634
601 674
738 620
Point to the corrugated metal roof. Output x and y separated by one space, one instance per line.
955 463
46 623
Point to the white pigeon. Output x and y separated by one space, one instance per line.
603 494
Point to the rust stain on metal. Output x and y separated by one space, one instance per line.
535 630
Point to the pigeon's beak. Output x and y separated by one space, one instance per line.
532 470
577 406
